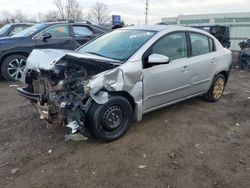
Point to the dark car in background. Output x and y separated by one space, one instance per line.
13 28
57 35
222 33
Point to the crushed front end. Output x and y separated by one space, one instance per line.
56 84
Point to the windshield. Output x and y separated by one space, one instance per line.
118 44
4 29
31 30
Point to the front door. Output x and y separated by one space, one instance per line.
165 83
61 38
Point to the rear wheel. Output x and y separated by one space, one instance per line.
111 120
13 66
217 88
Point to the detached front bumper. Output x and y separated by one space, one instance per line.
48 112
28 95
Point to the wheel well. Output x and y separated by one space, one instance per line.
126 95
14 53
225 74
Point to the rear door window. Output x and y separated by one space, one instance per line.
200 44
81 31
17 29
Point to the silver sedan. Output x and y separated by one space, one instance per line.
109 82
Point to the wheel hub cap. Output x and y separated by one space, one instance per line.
218 88
112 118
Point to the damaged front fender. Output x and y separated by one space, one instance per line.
122 78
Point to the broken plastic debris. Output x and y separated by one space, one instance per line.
237 124
198 146
14 170
76 137
172 155
50 151
42 117
175 162
13 85
75 134
242 162
142 166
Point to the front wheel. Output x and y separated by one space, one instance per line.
111 120
13 66
217 88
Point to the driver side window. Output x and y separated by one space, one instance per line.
58 31
172 45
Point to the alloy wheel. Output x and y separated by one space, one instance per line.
16 67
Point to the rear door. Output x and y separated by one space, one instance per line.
61 38
204 59
82 34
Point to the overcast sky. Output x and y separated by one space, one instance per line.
132 11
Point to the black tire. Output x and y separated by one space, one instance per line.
212 95
111 120
11 65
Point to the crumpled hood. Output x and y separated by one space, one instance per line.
45 59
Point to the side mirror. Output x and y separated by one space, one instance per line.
45 36
158 59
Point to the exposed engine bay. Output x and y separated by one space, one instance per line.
60 92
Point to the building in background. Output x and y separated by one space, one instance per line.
239 24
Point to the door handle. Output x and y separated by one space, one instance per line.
214 60
185 68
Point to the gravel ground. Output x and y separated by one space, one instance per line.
193 144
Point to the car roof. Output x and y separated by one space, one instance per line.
13 24
162 28
96 27
66 22
148 27
208 25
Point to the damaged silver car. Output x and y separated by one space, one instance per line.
113 80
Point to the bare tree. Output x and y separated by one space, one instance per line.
6 17
19 16
74 10
51 16
69 9
60 6
100 13
87 17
